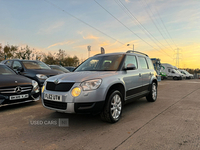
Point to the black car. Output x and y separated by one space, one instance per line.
70 68
16 88
32 69
59 68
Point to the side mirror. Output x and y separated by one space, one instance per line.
19 69
130 67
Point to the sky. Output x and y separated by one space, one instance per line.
164 29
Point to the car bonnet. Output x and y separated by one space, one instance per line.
81 76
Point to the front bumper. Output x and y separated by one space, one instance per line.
4 99
92 107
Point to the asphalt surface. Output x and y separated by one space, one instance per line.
170 123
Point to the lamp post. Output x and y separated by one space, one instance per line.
89 49
129 45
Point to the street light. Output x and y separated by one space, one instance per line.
129 45
89 49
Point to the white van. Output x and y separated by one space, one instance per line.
183 75
187 74
171 71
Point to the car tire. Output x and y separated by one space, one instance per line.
112 110
152 96
175 78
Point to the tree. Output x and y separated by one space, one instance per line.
49 59
61 58
9 51
24 53
71 61
1 53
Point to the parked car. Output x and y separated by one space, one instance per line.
32 69
102 84
59 68
187 74
16 88
70 68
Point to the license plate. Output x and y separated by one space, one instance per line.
14 97
52 97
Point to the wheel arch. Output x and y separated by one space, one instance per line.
117 86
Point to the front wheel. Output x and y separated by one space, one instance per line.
113 108
153 93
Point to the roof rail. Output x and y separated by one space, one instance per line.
131 51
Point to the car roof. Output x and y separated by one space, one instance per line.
21 60
124 53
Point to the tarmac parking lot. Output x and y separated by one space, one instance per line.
172 122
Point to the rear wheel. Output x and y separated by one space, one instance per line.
153 93
113 108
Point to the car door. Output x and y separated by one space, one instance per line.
132 79
145 73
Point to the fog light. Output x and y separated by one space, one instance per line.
43 88
76 92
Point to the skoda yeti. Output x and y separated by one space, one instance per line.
102 84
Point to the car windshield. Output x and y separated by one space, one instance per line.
35 65
175 71
178 71
186 72
101 63
60 68
4 70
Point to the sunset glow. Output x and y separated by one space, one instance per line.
160 28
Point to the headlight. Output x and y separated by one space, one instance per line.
76 91
41 76
91 84
35 86
43 87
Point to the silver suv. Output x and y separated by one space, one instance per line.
102 84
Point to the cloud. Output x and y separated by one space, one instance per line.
92 37
81 46
127 1
51 28
89 36
61 43
104 44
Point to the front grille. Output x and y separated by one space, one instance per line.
11 90
57 105
61 87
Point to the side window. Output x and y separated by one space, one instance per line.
16 65
150 64
130 59
9 63
143 63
